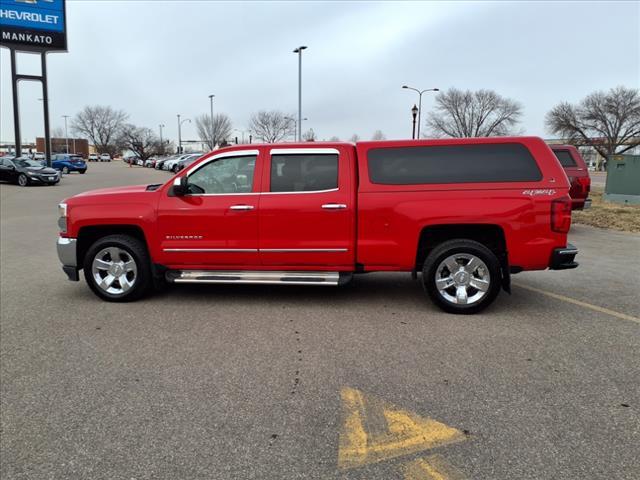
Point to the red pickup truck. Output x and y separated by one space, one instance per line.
466 213
578 173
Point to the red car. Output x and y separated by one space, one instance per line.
465 213
578 173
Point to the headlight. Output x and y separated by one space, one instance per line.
62 221
31 173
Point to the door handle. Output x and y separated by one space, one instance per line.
334 206
241 207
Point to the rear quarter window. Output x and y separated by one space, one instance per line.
565 158
504 162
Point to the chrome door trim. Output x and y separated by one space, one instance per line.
302 150
219 250
258 193
303 250
241 207
302 192
255 250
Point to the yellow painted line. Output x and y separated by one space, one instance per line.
595 308
433 467
367 437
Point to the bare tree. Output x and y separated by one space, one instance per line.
214 134
355 138
334 139
270 126
101 125
378 135
140 140
607 121
57 132
482 113
309 136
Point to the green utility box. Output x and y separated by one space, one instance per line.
623 179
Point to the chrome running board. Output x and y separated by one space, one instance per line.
262 277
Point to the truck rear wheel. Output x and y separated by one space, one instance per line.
117 268
462 276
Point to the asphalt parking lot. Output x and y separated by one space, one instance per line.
365 381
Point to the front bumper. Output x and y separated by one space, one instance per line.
563 258
44 178
67 253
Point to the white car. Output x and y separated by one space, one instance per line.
105 157
93 157
169 164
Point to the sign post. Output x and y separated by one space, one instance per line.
32 26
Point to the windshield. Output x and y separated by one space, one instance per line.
28 163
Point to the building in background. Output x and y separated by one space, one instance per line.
78 146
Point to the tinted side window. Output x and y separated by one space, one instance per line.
225 175
506 162
304 173
566 160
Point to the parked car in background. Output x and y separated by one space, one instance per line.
150 162
68 163
172 165
161 161
578 173
93 157
26 171
105 157
38 156
185 162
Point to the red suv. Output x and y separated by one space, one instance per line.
578 174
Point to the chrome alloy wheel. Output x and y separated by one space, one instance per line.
114 270
462 279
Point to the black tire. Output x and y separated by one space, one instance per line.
137 251
82 172
23 180
65 170
468 247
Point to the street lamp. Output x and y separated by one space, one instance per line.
295 123
299 52
180 122
414 112
211 107
420 92
66 135
161 126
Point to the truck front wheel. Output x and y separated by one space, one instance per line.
117 268
462 276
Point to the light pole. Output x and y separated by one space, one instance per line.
211 107
180 122
161 126
414 112
420 92
295 123
66 135
299 52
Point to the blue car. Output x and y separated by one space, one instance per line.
68 163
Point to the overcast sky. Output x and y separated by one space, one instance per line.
155 59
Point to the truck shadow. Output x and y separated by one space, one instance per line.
376 287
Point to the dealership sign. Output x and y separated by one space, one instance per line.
38 25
